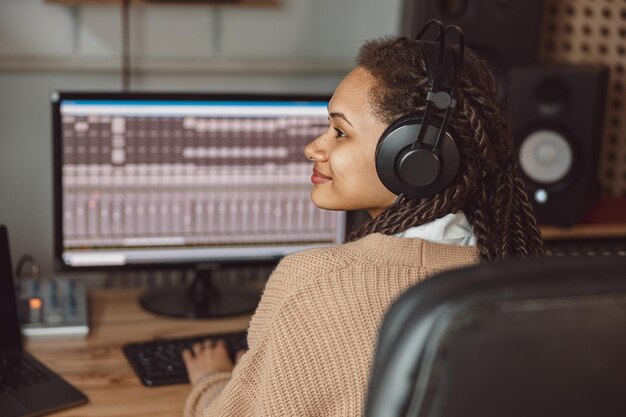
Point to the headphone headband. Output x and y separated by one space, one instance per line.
446 76
458 64
461 57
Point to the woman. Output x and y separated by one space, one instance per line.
312 337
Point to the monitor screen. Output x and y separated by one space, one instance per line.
172 178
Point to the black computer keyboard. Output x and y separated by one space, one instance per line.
159 362
604 246
17 372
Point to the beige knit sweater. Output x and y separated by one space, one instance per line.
312 338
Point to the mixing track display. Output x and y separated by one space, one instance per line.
163 174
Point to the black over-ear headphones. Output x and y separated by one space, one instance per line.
416 156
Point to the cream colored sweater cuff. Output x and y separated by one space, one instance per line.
204 392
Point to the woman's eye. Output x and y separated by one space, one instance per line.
340 134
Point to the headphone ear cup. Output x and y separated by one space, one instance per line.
417 173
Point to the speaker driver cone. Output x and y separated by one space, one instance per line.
545 156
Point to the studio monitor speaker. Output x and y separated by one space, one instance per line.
504 31
557 115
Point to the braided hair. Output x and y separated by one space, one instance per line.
489 189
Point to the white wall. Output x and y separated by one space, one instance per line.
300 46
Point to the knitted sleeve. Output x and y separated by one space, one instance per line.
204 392
234 396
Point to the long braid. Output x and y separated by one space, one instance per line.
528 221
481 222
504 210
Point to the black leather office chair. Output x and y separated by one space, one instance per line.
534 337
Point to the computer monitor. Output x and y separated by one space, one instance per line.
147 179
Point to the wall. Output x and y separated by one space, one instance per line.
300 46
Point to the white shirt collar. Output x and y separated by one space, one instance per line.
451 229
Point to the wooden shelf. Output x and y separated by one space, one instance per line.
220 3
606 218
584 231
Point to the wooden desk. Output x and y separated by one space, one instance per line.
97 366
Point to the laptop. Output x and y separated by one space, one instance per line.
27 387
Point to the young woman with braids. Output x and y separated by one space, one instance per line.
312 337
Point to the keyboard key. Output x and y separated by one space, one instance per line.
17 372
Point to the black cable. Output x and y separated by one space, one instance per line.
125 5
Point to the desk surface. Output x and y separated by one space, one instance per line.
97 366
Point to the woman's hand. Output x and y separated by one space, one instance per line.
208 356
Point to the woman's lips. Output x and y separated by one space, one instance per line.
318 178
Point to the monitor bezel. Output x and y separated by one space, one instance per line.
57 97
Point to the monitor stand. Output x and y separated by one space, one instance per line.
203 298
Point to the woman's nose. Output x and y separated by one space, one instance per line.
315 150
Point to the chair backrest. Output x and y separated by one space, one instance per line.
526 337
